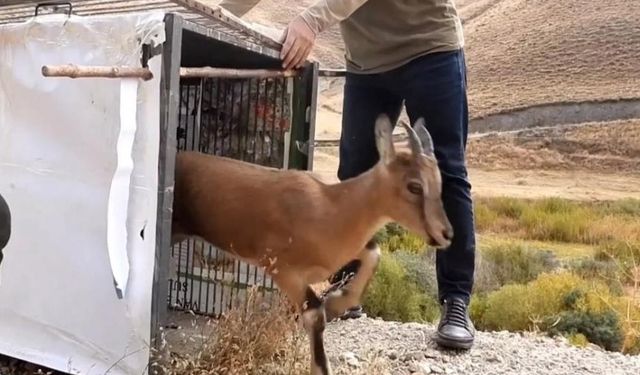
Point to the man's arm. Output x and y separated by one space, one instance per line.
302 30
325 13
238 7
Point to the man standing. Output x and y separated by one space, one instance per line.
403 52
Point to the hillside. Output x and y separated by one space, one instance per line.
519 52
525 52
604 147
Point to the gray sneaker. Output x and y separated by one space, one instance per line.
353 313
455 330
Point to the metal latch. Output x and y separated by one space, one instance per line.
303 147
56 5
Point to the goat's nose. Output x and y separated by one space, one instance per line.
448 234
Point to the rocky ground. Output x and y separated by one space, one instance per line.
371 346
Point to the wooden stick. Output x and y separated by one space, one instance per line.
75 71
332 73
209 72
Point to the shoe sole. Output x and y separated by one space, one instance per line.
453 344
351 315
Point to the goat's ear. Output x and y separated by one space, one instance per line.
384 140
423 134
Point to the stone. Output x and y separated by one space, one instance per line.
350 359
392 355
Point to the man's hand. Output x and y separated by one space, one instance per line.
298 42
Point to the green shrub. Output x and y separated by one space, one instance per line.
602 329
521 307
626 206
558 226
484 217
392 295
578 339
505 309
563 303
505 206
626 253
513 262
560 220
420 269
604 270
478 307
393 238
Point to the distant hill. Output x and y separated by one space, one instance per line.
520 52
525 52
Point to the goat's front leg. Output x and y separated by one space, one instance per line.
313 318
340 298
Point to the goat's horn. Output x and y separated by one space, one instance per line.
423 134
414 141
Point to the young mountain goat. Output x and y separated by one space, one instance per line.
303 230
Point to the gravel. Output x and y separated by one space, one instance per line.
401 349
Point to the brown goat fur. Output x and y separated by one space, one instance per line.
303 230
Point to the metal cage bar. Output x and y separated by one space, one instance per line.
247 118
169 106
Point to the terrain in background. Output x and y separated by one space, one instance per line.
537 55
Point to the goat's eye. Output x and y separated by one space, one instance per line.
414 188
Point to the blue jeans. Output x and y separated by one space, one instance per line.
433 87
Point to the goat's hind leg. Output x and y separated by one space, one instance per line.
340 298
314 321
311 308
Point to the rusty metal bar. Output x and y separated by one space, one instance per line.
210 72
75 71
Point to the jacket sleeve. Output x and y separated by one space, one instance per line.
238 7
325 13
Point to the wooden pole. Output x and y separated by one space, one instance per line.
209 72
332 73
75 71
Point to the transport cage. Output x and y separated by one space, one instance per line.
247 119
222 91
249 111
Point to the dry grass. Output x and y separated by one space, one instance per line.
603 147
526 52
558 220
260 337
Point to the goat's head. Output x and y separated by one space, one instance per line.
412 177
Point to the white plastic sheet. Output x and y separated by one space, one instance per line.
78 168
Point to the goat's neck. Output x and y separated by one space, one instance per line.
360 205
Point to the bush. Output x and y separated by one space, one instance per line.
560 220
522 307
420 269
393 237
478 307
505 309
602 329
626 253
560 226
484 217
578 339
606 271
510 262
563 303
627 206
392 295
